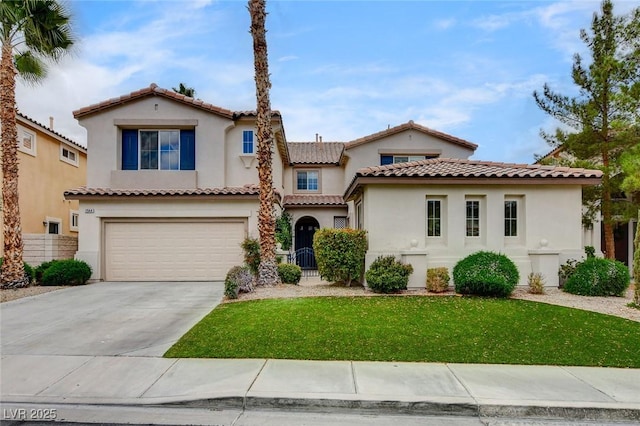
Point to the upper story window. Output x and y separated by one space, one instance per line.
394 159
158 149
74 217
307 180
26 141
247 142
68 155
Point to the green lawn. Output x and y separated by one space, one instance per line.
413 328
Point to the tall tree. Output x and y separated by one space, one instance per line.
32 31
268 269
608 103
185 90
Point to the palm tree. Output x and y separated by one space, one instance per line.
185 90
31 31
268 269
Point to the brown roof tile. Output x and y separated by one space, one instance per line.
411 126
312 200
109 192
152 90
23 117
315 152
456 168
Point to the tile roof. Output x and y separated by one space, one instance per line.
152 90
315 152
411 125
109 192
311 200
457 168
22 117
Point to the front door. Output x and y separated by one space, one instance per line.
304 229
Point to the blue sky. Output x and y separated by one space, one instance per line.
343 69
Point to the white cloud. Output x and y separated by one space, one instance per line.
445 24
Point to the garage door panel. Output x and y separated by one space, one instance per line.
172 251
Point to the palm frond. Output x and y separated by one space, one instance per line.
30 67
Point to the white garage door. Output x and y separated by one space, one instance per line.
172 251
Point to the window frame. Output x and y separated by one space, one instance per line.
359 213
341 218
245 142
74 216
159 149
437 221
307 171
69 150
33 151
513 221
48 221
471 220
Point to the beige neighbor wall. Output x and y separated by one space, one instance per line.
43 178
93 213
408 142
549 216
104 132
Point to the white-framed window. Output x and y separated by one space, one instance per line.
434 217
359 215
74 218
248 147
26 141
386 159
53 225
340 222
159 149
308 180
68 155
473 218
510 218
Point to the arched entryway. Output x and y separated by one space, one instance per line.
304 229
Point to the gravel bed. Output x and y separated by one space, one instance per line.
9 294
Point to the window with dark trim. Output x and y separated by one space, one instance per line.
434 218
247 142
158 149
511 218
473 218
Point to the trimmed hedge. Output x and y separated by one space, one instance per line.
239 279
340 253
289 273
66 272
599 277
40 270
486 274
438 279
388 275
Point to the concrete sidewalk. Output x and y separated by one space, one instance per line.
509 391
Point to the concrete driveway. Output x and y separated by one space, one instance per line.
132 319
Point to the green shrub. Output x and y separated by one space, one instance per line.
486 274
284 233
590 251
239 279
388 275
67 272
566 270
39 272
535 280
28 270
251 247
599 277
636 267
289 273
340 253
438 279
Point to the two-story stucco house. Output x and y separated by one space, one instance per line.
172 191
50 163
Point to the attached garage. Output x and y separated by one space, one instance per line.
156 250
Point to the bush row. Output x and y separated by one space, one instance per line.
58 272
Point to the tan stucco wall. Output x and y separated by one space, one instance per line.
396 215
93 213
368 154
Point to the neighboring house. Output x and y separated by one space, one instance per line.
49 163
172 191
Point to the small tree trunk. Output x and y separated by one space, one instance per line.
268 269
607 214
12 273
